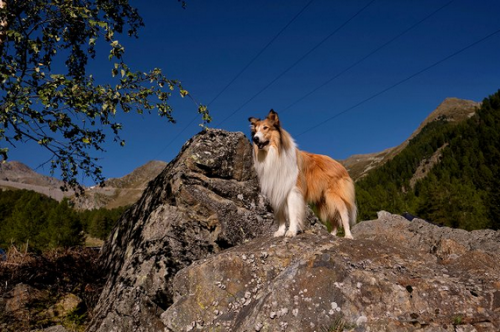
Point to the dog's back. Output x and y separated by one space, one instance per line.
325 183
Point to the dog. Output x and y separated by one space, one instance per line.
289 178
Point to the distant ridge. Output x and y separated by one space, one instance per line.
451 109
120 191
116 192
16 175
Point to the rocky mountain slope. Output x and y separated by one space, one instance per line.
116 192
195 253
120 191
16 175
451 109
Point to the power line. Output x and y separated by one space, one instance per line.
296 62
239 73
177 136
400 82
261 51
367 56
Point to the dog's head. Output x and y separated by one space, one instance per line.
264 131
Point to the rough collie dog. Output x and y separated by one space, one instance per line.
290 178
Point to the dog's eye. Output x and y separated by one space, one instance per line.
265 128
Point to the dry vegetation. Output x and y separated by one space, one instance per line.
32 288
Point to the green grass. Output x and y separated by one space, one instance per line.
339 324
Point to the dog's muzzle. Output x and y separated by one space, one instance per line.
260 144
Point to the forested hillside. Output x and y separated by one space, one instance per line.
448 174
41 223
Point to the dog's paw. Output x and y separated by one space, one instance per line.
279 233
290 233
349 236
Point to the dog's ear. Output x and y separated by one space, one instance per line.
253 120
273 117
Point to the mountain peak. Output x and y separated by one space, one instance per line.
121 191
451 109
14 169
16 175
139 177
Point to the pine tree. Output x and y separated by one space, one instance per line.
64 227
462 190
28 218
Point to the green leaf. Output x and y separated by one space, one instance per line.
4 153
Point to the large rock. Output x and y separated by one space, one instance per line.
205 200
398 276
18 300
196 254
419 234
67 304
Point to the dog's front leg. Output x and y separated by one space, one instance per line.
280 215
296 211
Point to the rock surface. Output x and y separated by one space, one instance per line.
56 328
16 175
67 304
18 298
206 200
395 276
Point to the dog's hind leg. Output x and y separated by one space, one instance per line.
327 213
337 209
280 215
296 211
344 215
334 225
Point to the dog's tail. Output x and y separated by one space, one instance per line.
353 214
350 200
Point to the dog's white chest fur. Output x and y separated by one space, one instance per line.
277 174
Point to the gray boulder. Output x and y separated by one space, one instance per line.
387 279
424 236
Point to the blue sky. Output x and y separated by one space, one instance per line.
207 44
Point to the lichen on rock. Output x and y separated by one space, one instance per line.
378 282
